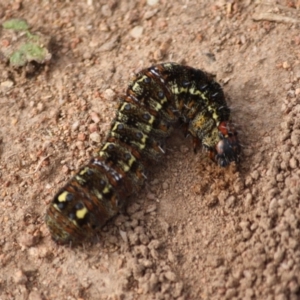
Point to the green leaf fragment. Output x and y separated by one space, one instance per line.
17 59
28 52
16 24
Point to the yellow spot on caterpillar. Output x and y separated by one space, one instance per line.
131 161
106 190
56 207
62 197
80 180
152 119
157 106
140 146
81 213
178 89
115 127
137 87
97 194
102 153
82 172
124 166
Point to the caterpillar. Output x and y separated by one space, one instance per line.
155 99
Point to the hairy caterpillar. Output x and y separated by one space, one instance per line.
155 98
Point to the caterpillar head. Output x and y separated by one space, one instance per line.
227 150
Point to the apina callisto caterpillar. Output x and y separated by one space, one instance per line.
155 99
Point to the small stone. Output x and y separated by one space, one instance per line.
35 295
248 200
151 196
165 185
184 149
133 238
152 2
170 276
255 175
106 10
286 65
178 289
273 206
93 127
95 137
81 136
171 256
94 116
295 138
230 202
65 169
149 14
75 125
153 283
7 84
123 235
134 207
87 55
151 208
109 94
293 163
20 277
28 240
279 177
136 32
40 107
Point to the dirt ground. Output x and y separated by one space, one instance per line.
195 231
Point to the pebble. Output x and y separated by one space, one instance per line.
106 10
110 44
95 137
28 240
151 196
81 137
178 289
149 14
94 116
123 235
151 208
293 163
184 149
286 65
75 125
93 127
170 276
20 277
134 207
152 2
136 32
273 206
109 95
7 84
133 238
295 138
35 295
153 283
248 199
255 175
230 202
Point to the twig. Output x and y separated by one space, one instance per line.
274 18
38 166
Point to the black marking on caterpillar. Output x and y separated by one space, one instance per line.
155 99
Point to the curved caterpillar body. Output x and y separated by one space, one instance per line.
155 98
